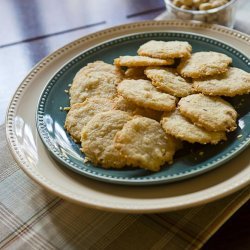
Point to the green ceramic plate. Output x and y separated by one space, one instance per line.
191 161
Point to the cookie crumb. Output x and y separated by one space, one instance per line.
86 159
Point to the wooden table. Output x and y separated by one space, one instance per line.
32 29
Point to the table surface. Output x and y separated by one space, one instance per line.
32 29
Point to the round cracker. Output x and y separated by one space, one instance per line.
144 144
202 64
135 61
211 113
164 50
234 82
168 80
135 73
99 66
178 126
143 93
97 138
121 103
96 79
81 113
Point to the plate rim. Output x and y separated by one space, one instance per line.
137 181
12 109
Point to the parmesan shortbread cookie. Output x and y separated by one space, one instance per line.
178 126
143 93
211 113
234 82
144 144
135 61
98 135
168 80
165 50
135 73
81 113
95 79
202 64
121 103
101 67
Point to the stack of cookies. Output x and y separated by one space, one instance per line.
137 111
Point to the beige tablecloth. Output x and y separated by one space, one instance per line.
32 218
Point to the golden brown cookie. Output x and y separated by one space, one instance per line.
98 138
121 103
165 50
135 73
202 64
211 113
178 126
144 144
80 114
168 80
144 94
234 82
96 79
135 61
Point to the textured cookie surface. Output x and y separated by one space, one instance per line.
202 64
98 138
234 82
81 113
144 144
168 80
134 61
121 103
96 79
143 93
135 73
178 126
211 113
163 50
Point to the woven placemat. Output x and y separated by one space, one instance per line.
32 218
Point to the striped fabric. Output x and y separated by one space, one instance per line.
32 218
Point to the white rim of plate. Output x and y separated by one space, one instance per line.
40 179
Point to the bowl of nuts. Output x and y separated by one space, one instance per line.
210 11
